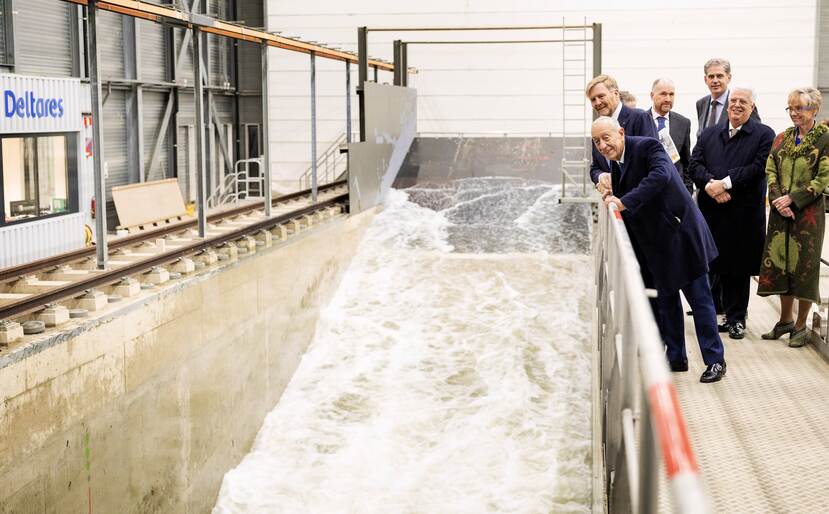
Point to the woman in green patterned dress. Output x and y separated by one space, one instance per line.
798 172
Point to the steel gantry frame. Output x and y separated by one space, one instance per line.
575 156
195 25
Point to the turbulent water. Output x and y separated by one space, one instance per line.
449 374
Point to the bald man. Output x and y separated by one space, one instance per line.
669 235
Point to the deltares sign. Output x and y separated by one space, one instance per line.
30 105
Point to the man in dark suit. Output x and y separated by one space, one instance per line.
669 235
711 108
603 93
729 164
679 127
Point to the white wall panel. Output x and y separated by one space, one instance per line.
516 88
33 240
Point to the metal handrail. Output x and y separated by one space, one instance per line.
230 190
636 389
330 165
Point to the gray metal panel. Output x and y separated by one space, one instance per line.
110 45
42 36
155 102
153 53
822 45
250 109
115 148
250 66
391 124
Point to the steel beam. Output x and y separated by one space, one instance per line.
347 102
404 64
98 137
597 49
168 14
264 155
201 195
313 129
362 76
397 64
162 133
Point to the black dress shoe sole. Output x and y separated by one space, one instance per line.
736 336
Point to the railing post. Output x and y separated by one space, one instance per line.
264 156
396 54
348 101
98 137
198 96
362 76
313 128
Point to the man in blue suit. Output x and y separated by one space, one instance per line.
603 93
669 235
729 167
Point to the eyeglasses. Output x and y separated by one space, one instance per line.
799 108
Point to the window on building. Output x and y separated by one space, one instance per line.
39 176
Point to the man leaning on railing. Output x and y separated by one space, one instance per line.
669 236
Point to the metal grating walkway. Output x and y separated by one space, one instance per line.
761 435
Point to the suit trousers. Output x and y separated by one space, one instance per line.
716 292
735 293
671 321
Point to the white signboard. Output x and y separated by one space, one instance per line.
35 104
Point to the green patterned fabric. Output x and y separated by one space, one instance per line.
791 260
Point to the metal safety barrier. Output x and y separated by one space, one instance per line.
641 421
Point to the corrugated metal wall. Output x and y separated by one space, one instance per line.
44 47
53 236
42 34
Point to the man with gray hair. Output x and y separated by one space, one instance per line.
728 165
669 237
673 129
710 108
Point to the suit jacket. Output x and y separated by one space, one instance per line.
669 235
636 122
680 129
738 225
704 107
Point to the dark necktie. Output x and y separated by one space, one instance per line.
660 123
712 115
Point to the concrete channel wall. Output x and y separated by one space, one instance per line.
145 409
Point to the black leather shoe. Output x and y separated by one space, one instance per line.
737 330
713 373
725 326
679 366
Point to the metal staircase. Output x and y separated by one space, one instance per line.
576 156
330 165
239 185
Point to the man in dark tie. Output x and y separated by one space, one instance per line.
711 108
669 236
603 93
728 165
678 127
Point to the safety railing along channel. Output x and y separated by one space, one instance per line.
641 421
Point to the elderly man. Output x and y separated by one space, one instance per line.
710 108
729 163
672 125
603 93
669 236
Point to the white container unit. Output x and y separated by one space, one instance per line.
44 193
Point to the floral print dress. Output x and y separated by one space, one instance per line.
791 259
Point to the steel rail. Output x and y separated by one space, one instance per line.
36 302
166 14
461 29
29 268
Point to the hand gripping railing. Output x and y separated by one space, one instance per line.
637 393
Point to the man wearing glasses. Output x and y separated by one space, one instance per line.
728 166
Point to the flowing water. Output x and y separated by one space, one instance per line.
449 374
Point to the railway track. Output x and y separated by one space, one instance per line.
48 292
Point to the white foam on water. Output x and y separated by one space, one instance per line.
437 382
